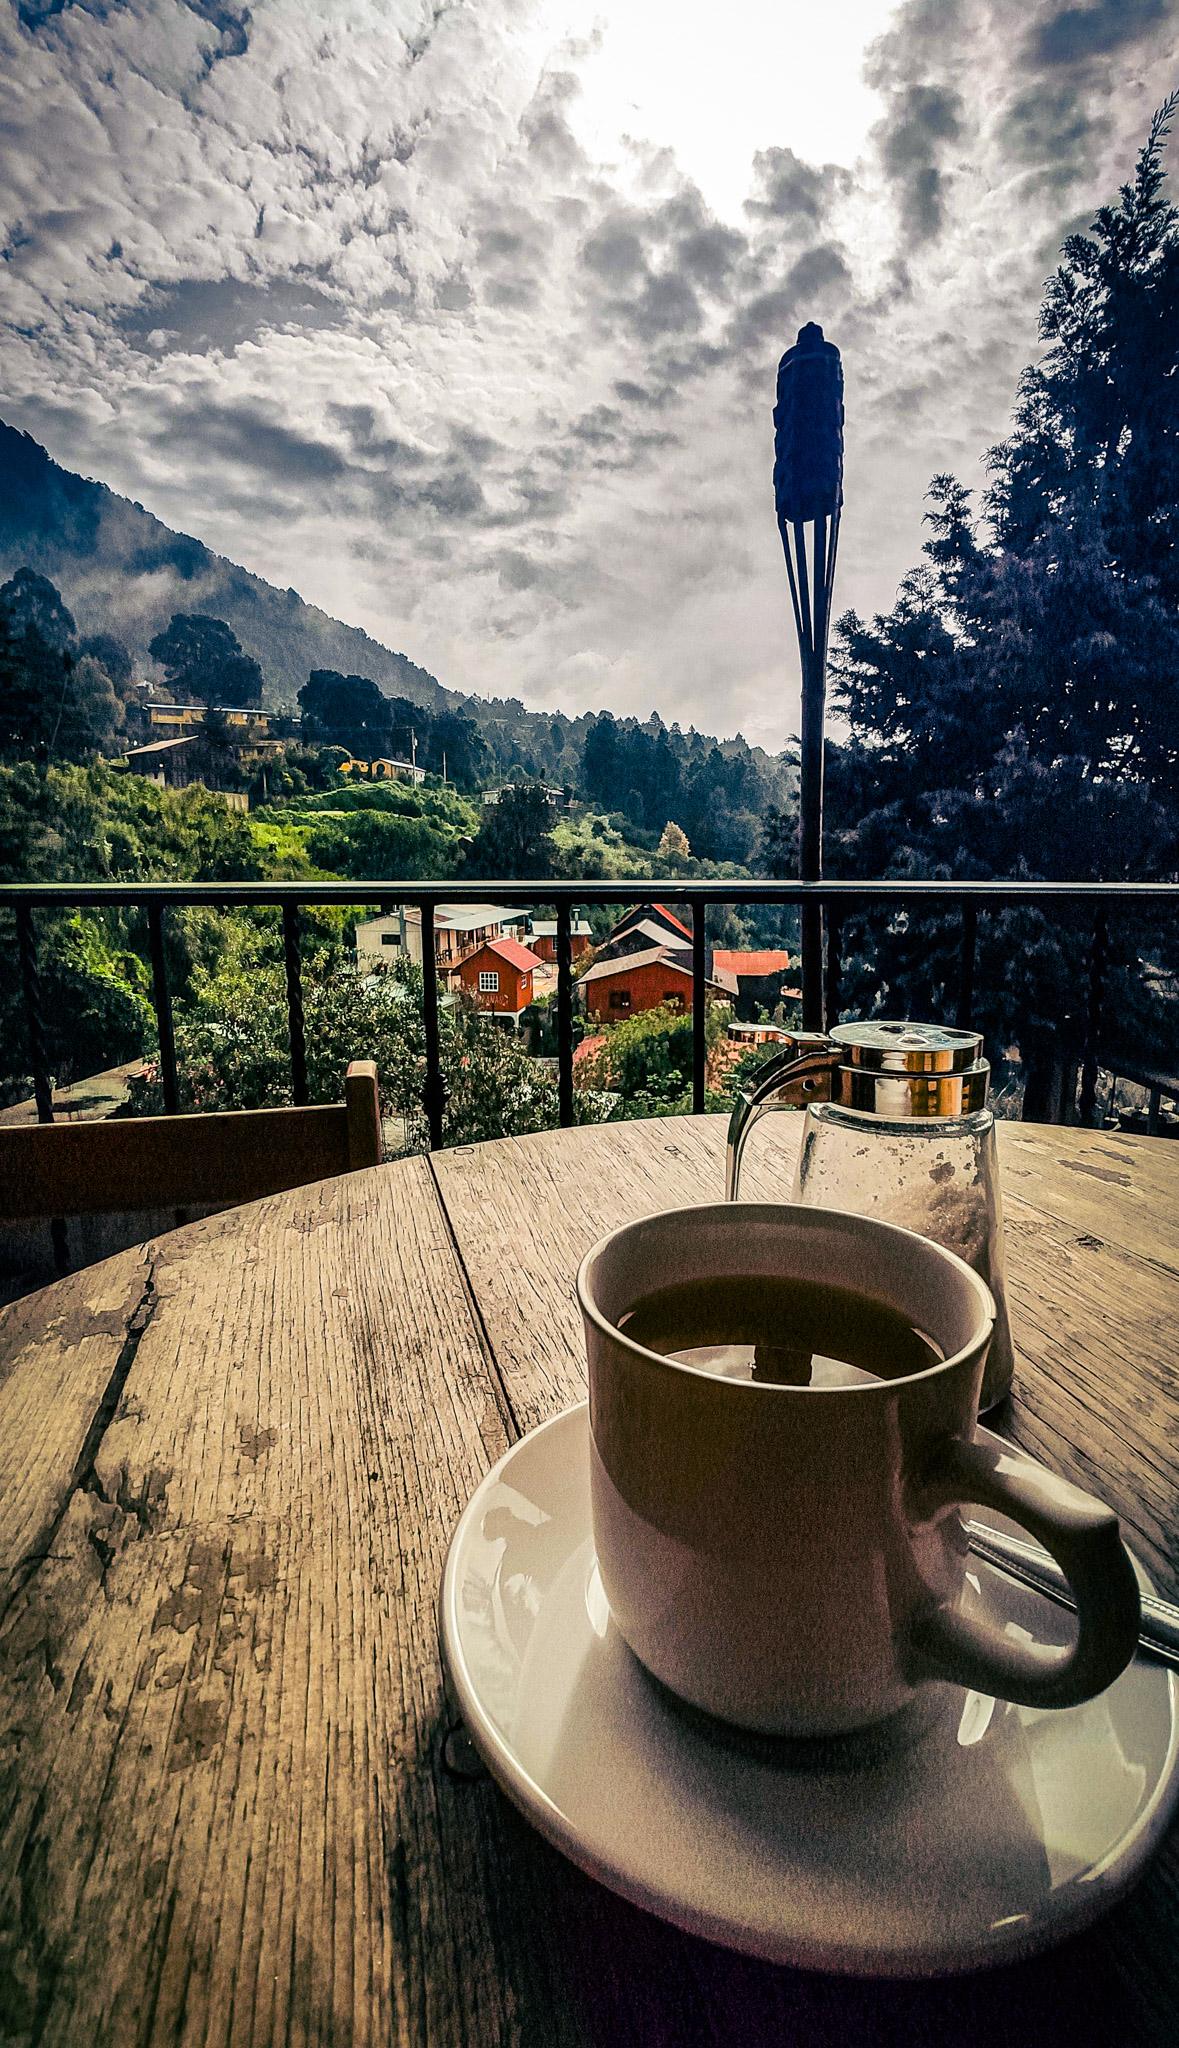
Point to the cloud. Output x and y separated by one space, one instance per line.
710 254
255 439
1048 129
342 291
614 251
1070 35
787 189
205 314
921 121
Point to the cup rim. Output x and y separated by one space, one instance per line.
795 1212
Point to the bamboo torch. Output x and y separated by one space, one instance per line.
808 491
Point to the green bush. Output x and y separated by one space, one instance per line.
233 1049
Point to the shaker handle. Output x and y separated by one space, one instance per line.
802 1072
1082 1535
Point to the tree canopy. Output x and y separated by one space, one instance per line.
350 711
514 839
202 659
57 700
1017 712
1047 633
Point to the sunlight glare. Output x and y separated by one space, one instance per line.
717 84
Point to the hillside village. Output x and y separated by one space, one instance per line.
505 962
158 771
502 961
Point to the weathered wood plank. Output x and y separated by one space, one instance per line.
1102 1182
61 1358
1096 1326
526 1211
223 1807
231 1806
1098 1329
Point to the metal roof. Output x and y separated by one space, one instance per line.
626 963
511 950
757 964
189 739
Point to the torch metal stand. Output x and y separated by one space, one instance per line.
808 489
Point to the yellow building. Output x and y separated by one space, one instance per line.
384 770
174 720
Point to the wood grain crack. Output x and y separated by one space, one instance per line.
503 1399
84 1478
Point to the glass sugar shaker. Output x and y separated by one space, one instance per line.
898 1127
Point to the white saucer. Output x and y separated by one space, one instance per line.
984 1832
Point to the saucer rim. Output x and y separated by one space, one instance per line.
1075 1905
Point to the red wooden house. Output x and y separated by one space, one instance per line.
762 979
673 931
642 981
499 976
542 936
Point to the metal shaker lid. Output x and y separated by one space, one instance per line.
919 1070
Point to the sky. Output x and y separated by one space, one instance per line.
462 317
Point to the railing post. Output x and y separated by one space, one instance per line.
26 941
434 1092
965 1003
162 999
1097 962
699 1009
295 1020
811 925
31 979
564 1016
834 964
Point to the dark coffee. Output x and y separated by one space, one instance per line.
790 1333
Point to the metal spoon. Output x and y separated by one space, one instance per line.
1159 1634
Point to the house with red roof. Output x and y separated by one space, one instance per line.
761 979
655 922
644 980
498 974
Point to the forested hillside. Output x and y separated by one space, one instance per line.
123 573
127 573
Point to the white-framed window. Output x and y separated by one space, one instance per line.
489 981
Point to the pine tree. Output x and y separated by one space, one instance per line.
1017 713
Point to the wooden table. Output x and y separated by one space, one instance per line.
237 1804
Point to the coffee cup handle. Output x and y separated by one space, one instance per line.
1082 1535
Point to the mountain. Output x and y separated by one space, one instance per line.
122 571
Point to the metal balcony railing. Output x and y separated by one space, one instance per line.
838 900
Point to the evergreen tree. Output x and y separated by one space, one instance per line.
515 839
203 660
32 604
1017 713
346 711
54 702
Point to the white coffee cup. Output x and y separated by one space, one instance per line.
790 1558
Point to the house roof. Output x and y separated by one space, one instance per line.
628 963
665 912
190 705
755 964
645 927
511 950
546 927
161 746
464 917
642 913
